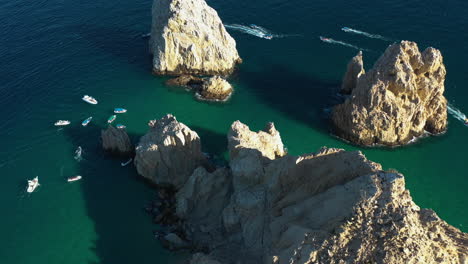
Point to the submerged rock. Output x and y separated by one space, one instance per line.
331 206
116 141
354 70
216 88
169 152
188 37
399 99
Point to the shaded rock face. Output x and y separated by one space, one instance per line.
116 141
216 88
188 37
169 152
354 70
400 98
185 80
331 206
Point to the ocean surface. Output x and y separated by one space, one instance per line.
53 52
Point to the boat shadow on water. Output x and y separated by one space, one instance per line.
114 198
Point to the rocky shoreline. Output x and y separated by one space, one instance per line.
267 206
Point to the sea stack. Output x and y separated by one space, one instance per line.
117 141
188 37
399 99
169 152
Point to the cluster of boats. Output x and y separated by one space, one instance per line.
92 100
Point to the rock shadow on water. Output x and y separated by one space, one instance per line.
125 44
114 197
213 143
300 96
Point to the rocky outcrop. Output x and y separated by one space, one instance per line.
188 37
354 70
216 89
185 80
399 99
331 206
169 152
116 141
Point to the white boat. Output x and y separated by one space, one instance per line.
74 178
86 121
120 110
62 123
32 184
89 99
120 126
123 164
111 119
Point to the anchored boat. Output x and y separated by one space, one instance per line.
120 110
62 123
86 121
74 178
120 126
32 184
89 99
111 119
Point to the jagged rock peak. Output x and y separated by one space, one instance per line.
354 70
216 88
399 99
169 152
268 142
188 37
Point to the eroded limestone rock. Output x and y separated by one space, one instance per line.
116 141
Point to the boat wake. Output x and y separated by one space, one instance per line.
258 31
456 113
332 41
369 35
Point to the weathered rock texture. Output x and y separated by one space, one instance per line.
331 206
399 99
188 37
185 80
116 141
216 88
169 152
354 70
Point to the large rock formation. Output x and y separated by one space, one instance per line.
399 99
169 152
188 37
354 70
331 206
216 88
116 141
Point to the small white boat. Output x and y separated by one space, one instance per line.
89 99
123 164
147 35
86 121
111 119
74 178
120 110
62 123
120 126
32 184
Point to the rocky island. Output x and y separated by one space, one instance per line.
398 100
266 206
189 38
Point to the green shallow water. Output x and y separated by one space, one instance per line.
54 52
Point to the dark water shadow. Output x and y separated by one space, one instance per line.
214 143
125 44
114 197
300 96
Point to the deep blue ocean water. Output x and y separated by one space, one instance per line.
54 52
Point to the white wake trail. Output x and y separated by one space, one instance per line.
456 113
359 32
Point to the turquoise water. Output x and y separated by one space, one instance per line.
54 52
